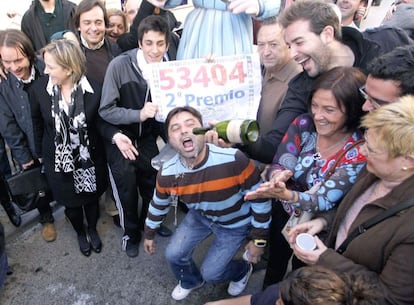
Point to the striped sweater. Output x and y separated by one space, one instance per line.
215 187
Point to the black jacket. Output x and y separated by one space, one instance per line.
31 26
129 41
365 46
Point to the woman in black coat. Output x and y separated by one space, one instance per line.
67 132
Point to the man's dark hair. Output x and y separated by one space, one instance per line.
397 65
85 6
177 110
319 14
154 23
344 83
17 39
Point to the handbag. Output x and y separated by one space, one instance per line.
28 181
299 216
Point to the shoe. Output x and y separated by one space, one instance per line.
95 240
12 213
179 293
235 288
84 245
116 220
164 231
49 232
132 248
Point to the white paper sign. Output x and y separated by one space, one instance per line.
227 88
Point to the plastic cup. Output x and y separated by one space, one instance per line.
306 241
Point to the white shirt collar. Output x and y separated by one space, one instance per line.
86 45
144 65
84 83
31 77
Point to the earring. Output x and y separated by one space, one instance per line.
404 168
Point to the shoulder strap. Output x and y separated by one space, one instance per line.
373 221
333 166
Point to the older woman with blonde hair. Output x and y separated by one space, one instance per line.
67 131
118 24
386 182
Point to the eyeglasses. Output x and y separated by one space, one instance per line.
376 102
369 149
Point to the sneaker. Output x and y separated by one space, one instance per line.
235 288
132 248
49 232
179 293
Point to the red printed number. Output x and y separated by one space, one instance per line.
238 72
182 77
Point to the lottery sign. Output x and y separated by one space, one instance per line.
226 88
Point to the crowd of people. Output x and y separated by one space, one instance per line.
337 143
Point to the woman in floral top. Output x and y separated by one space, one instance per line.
317 145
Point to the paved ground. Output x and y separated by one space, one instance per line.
58 274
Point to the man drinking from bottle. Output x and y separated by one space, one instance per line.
211 181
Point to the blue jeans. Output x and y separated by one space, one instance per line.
218 264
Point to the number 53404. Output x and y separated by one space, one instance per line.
205 76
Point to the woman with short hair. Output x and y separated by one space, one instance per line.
67 136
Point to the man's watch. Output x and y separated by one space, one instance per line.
260 243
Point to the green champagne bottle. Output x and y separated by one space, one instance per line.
234 131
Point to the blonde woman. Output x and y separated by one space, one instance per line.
67 136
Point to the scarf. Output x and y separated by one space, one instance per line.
71 140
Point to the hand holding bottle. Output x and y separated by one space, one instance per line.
212 136
232 131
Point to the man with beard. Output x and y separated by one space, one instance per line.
317 42
212 182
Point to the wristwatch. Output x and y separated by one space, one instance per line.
260 243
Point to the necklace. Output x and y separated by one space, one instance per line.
327 151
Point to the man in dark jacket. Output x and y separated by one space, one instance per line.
46 17
129 40
19 59
317 42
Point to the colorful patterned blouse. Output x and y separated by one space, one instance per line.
297 152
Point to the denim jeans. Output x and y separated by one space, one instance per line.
218 264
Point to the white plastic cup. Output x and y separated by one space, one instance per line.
305 241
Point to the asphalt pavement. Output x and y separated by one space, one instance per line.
57 273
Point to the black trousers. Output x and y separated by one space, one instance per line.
131 176
279 249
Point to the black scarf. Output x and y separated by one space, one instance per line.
71 140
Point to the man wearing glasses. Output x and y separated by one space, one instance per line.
390 76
